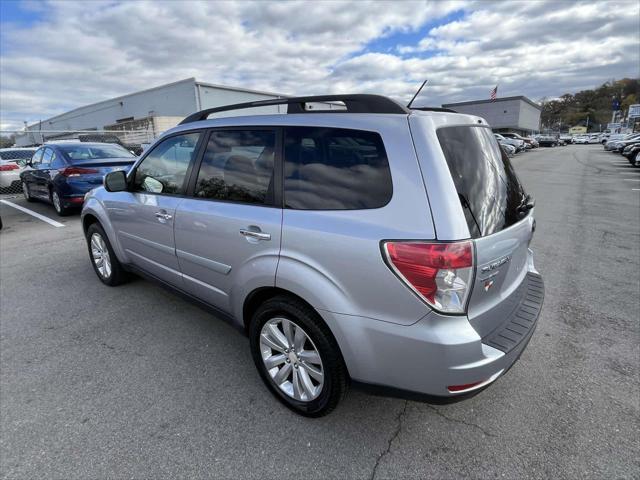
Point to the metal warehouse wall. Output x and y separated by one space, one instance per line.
172 100
213 96
529 117
514 114
500 114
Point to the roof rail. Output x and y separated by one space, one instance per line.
433 109
359 103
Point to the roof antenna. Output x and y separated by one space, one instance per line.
419 90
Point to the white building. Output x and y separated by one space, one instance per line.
144 115
508 114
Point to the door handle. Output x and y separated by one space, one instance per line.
255 235
164 215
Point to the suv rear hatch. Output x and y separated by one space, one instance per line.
498 216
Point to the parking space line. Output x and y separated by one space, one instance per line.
631 179
33 214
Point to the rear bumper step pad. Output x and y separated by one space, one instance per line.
522 320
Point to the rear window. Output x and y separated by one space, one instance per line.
94 152
335 169
488 188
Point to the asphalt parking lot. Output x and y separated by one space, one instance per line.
135 382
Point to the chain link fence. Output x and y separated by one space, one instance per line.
18 146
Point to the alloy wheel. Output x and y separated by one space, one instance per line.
56 202
291 359
100 255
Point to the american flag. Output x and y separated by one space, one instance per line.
494 93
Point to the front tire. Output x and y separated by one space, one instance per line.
297 357
103 259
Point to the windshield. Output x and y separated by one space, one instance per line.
94 152
488 189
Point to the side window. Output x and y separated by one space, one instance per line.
47 157
165 168
238 167
335 169
57 161
37 157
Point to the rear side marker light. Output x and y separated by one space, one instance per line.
439 273
460 388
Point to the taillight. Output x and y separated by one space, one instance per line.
77 171
440 273
9 166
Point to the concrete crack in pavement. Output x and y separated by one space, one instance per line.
468 424
399 420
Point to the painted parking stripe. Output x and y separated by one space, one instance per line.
631 179
33 214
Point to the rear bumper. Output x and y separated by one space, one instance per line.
438 351
9 179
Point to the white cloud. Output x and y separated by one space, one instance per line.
85 52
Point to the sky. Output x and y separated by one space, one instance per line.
59 55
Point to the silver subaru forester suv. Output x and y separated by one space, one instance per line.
351 238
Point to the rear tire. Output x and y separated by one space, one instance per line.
103 259
314 365
26 193
58 206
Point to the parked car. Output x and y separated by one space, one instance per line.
62 173
581 139
12 162
312 233
632 153
509 149
547 141
619 145
566 138
528 142
613 139
518 144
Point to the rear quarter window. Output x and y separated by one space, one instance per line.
335 169
487 186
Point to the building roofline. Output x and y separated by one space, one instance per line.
240 89
115 99
502 99
158 87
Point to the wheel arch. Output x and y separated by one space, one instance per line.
260 295
88 220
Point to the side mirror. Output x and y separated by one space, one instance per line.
115 181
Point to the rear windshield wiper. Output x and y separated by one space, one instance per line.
465 204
